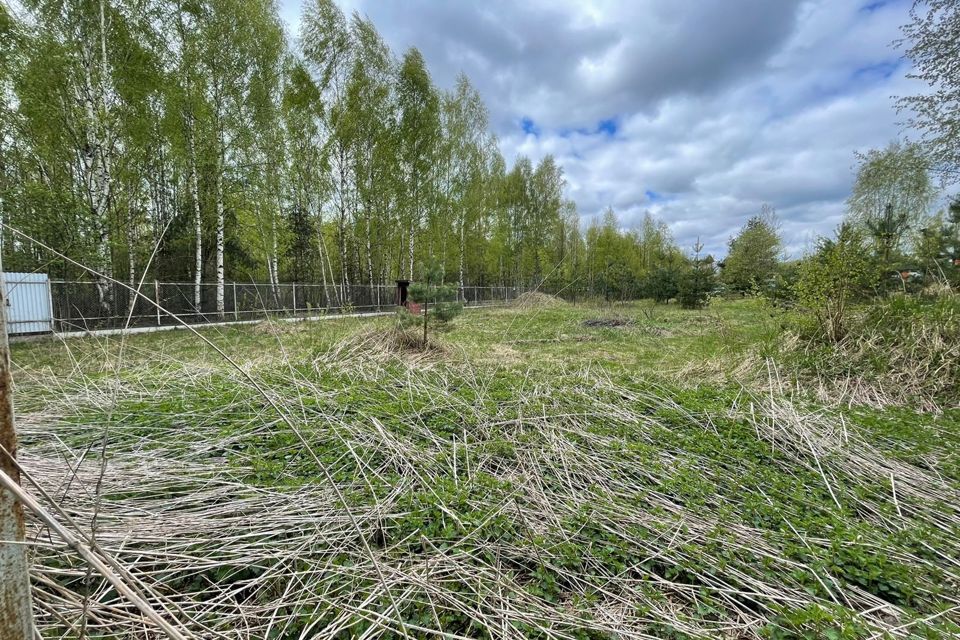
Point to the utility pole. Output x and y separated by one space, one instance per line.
16 617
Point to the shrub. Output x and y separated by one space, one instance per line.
835 276
902 349
661 284
697 283
439 300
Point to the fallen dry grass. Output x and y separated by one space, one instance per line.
380 491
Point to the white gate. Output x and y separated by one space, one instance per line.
29 307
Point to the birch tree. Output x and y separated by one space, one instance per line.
932 41
419 134
892 194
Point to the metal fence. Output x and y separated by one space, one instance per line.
81 306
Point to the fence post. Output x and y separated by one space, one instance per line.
16 617
236 312
53 322
156 299
294 298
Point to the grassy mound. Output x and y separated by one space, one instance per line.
537 300
386 344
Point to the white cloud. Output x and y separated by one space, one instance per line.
720 105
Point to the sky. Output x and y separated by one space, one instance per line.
698 111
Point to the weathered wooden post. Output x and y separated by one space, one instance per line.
16 618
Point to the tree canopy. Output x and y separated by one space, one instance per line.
754 253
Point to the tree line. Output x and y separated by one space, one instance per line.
194 141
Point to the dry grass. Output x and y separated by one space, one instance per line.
562 511
537 300
382 345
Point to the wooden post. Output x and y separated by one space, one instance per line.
156 299
16 618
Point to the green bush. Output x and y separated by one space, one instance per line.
661 284
440 301
838 274
905 348
696 285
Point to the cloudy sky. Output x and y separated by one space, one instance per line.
698 111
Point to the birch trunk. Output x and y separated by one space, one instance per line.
462 251
220 228
413 226
273 267
16 617
95 162
131 262
197 225
342 222
324 253
374 293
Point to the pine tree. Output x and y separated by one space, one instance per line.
439 300
698 281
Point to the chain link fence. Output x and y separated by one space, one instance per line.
82 306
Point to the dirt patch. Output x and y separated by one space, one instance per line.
537 300
608 322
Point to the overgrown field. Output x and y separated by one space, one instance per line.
547 471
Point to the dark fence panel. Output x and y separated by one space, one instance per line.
81 305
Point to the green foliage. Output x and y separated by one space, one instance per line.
753 257
781 289
930 38
892 193
625 265
661 284
937 245
440 302
698 282
837 275
903 346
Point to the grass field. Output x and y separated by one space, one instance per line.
534 474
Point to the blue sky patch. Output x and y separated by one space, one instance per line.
529 127
874 6
608 126
879 71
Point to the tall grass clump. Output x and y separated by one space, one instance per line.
900 349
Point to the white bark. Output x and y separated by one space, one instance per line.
220 229
95 160
410 236
131 260
323 268
462 250
197 224
273 261
374 292
342 207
